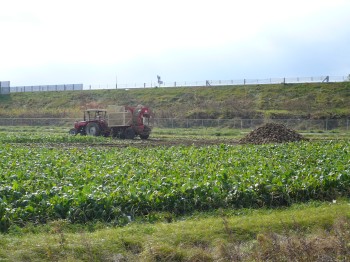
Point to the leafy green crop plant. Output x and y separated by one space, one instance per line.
82 184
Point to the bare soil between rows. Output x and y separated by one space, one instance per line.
155 142
138 143
268 133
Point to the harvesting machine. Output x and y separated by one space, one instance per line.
124 122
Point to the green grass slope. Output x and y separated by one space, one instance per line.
309 101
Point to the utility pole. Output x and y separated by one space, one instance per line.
116 82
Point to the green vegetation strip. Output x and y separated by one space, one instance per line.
114 185
44 138
303 232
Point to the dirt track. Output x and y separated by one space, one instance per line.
268 133
180 141
138 143
156 142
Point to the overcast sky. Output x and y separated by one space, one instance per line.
97 42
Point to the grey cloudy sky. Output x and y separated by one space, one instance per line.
92 42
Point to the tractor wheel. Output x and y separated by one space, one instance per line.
121 135
130 133
118 133
73 132
144 136
145 133
93 129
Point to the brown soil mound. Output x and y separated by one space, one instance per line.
271 133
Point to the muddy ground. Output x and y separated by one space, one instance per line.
149 143
154 142
268 133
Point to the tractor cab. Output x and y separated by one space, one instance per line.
95 115
94 123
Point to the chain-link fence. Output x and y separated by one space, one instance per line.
46 88
264 81
297 124
64 122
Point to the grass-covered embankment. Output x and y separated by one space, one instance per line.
305 101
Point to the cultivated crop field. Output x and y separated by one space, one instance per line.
51 177
185 194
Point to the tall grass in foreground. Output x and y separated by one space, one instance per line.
310 232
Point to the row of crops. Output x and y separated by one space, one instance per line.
81 184
41 137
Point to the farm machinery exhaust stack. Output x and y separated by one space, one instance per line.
117 121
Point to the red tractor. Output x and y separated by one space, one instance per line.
118 121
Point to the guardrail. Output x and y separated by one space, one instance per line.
297 124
